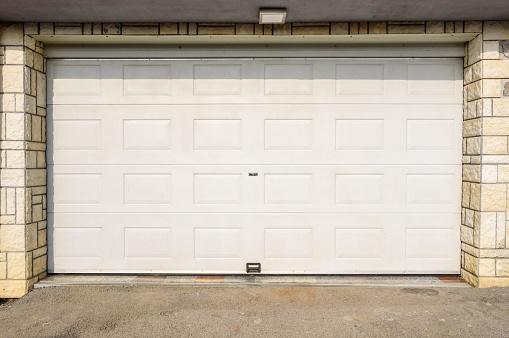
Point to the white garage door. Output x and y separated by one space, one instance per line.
302 165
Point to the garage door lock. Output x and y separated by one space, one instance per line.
253 268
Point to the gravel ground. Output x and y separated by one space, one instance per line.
157 311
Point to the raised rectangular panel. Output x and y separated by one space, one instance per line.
359 188
430 243
360 79
423 134
431 79
76 188
217 79
353 134
288 243
77 134
76 80
288 79
147 189
431 189
217 243
147 134
288 188
147 80
77 242
145 242
359 243
217 134
217 188
288 134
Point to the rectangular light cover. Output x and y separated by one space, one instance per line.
272 16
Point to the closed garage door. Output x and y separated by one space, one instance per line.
303 165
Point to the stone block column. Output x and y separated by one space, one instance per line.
485 226
23 250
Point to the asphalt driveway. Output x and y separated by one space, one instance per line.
248 311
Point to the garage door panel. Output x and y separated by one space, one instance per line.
304 165
235 135
255 81
319 188
310 243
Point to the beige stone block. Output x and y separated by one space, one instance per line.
434 27
168 29
493 197
339 28
285 29
31 28
494 144
41 238
465 195
182 28
377 28
487 231
474 90
406 29
363 28
246 29
37 214
14 288
36 128
68 29
41 159
31 159
41 89
46 28
35 177
467 235
491 50
471 173
486 267
472 127
40 251
3 270
354 28
111 29
192 29
471 264
38 62
7 102
14 55
302 29
267 29
87 29
473 145
12 177
495 159
40 265
503 173
142 29
11 34
13 237
474 50
97 29
495 69
12 78
17 265
491 88
216 29
489 174
493 282
475 196
502 267
15 159
495 126
496 30
473 27
501 230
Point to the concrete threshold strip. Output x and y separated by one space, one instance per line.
391 281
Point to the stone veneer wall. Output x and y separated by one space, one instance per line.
485 218
23 259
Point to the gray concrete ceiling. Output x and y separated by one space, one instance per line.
247 10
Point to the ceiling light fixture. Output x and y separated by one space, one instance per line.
275 16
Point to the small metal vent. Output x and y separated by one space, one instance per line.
253 268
